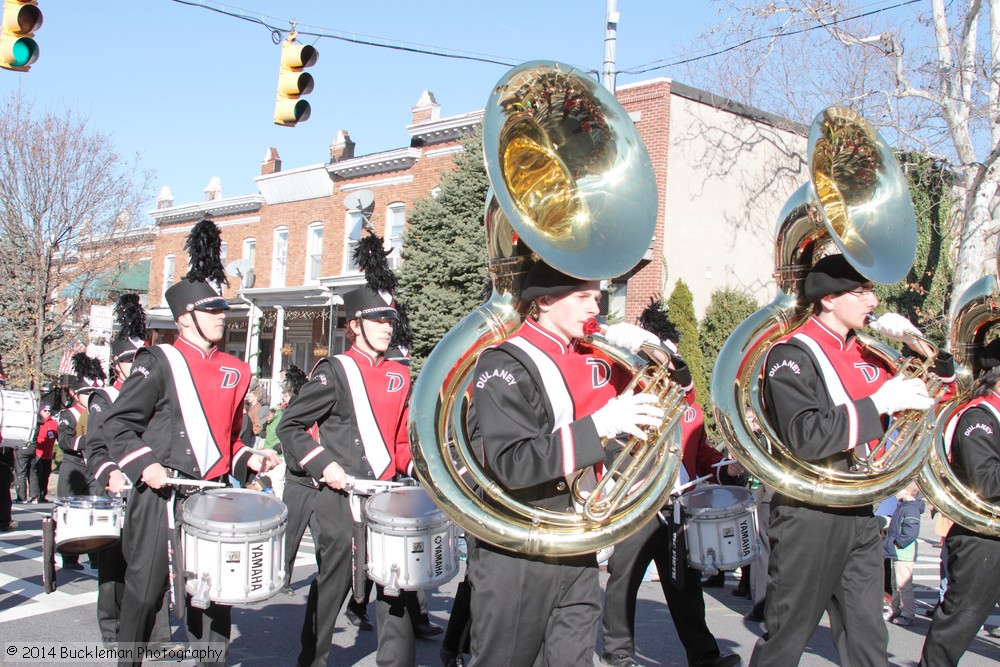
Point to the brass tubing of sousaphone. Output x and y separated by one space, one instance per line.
573 186
857 200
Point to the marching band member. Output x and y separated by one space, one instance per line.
632 556
73 477
542 402
973 559
826 395
359 400
178 415
107 475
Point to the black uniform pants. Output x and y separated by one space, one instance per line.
301 500
6 479
332 584
973 591
533 611
626 568
23 459
145 550
823 560
111 568
38 479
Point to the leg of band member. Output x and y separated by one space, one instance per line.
333 582
972 594
626 568
145 550
396 646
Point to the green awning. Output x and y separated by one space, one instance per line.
134 278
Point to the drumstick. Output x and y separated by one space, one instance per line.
177 481
693 482
724 462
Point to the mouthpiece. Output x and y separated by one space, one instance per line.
871 318
591 327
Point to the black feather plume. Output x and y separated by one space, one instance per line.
370 257
655 320
88 367
204 247
131 318
295 377
402 334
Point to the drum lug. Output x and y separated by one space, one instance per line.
200 598
710 568
391 587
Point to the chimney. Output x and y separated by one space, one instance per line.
342 148
166 198
213 190
271 163
427 108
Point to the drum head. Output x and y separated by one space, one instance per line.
88 502
405 506
715 497
223 509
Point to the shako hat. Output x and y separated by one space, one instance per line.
543 280
201 288
365 302
89 374
830 275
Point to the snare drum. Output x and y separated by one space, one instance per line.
87 523
411 543
720 526
234 547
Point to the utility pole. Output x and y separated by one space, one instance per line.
610 42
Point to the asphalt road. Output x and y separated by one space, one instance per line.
266 634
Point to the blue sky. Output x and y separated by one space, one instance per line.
192 91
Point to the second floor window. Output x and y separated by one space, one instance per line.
355 228
280 260
314 253
168 276
250 251
395 220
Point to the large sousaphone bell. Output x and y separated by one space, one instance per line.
857 200
572 184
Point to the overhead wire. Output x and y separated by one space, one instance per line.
442 52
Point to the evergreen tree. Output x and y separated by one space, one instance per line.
923 296
727 308
681 309
444 253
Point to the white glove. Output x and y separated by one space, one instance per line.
627 414
895 327
899 394
629 336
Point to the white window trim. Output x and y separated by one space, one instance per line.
311 252
278 279
168 279
351 220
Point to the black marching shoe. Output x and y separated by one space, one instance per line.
729 660
451 659
618 659
426 630
717 580
757 613
358 617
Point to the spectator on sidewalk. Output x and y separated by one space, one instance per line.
901 549
45 443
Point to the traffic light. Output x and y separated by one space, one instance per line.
289 109
21 18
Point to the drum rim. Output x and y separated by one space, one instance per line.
211 527
96 502
382 518
747 501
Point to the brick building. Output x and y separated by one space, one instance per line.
723 172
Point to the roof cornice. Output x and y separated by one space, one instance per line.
446 129
394 160
217 207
